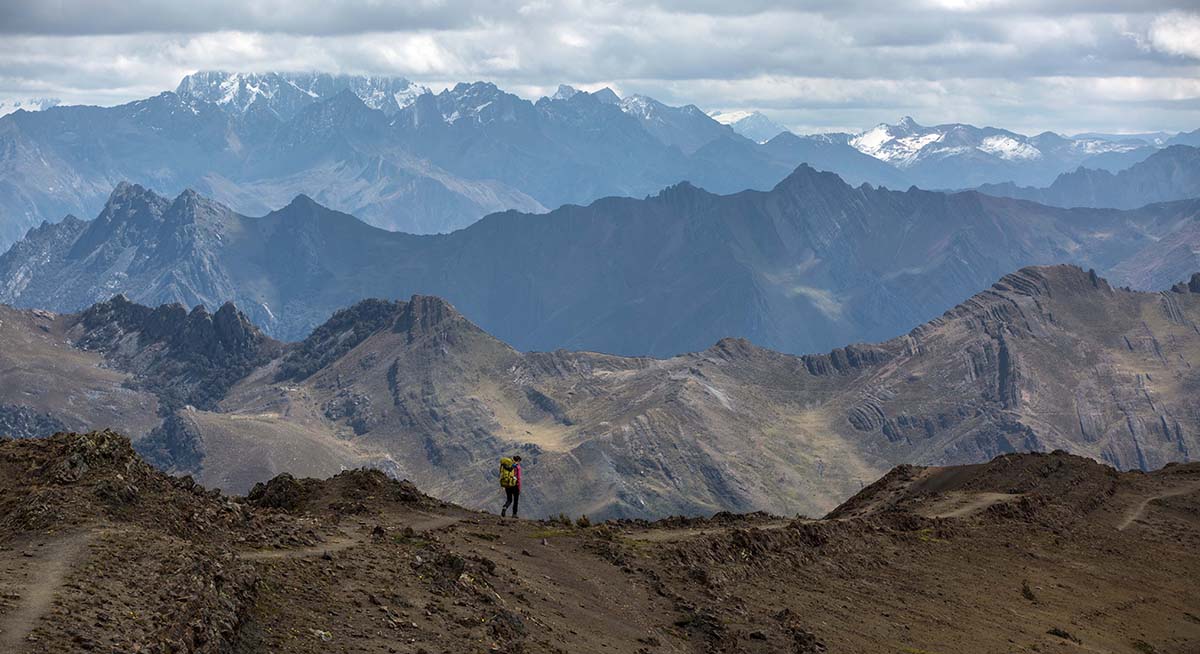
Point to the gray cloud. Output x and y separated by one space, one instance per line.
1067 65
322 17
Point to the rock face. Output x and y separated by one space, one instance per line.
284 95
1167 175
1047 358
185 358
808 266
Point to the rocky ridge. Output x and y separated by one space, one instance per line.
805 267
415 389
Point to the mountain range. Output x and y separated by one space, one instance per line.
1172 173
956 155
392 152
807 266
404 158
1047 358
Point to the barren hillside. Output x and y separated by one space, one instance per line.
1027 553
1048 358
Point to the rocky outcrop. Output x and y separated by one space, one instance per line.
176 445
185 358
845 359
1190 286
338 335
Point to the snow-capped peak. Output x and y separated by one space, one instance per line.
286 93
1009 148
28 104
893 144
750 124
639 105
731 117
908 142
564 92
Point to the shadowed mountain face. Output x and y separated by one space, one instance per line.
1169 174
1048 358
811 264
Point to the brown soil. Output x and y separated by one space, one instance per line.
38 569
1027 553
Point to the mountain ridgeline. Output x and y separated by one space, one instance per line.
1172 173
807 266
390 151
1047 358
405 158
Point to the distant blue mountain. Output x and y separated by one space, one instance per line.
388 150
404 158
811 264
1172 173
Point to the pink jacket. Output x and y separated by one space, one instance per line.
517 469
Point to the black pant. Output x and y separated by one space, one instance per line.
512 495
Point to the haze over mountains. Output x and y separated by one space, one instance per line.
1169 174
1047 358
808 266
404 158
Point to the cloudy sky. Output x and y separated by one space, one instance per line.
1063 65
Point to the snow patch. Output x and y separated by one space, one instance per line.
1009 148
731 117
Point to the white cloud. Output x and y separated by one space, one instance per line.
1177 33
819 65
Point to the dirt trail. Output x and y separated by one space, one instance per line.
1138 510
432 522
347 539
44 574
960 505
335 544
667 535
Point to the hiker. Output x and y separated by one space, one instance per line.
510 481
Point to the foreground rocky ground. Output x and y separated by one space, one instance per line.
1046 553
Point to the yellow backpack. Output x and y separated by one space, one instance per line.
508 475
